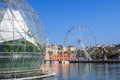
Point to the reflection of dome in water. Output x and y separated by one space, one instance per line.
22 40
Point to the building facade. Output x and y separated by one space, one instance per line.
59 52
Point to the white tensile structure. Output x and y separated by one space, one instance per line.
20 27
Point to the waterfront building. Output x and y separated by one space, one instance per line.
99 52
47 56
59 52
71 49
22 40
51 48
61 57
56 49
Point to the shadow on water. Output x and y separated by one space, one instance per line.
85 71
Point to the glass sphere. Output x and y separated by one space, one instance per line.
22 40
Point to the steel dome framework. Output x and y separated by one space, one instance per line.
22 40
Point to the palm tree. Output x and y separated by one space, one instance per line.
108 51
80 53
98 53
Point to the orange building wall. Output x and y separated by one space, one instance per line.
59 56
47 56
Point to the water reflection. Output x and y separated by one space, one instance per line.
84 71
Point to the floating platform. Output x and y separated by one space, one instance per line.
92 61
116 61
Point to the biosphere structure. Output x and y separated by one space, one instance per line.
22 40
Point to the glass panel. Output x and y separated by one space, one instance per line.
27 60
22 61
6 25
20 41
8 15
35 59
37 29
29 48
6 47
19 35
20 26
5 59
19 48
28 19
6 38
16 60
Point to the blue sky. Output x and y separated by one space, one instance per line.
58 16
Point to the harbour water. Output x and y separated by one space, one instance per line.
84 71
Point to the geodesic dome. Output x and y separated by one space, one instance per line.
22 40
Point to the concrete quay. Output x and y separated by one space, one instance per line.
108 61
